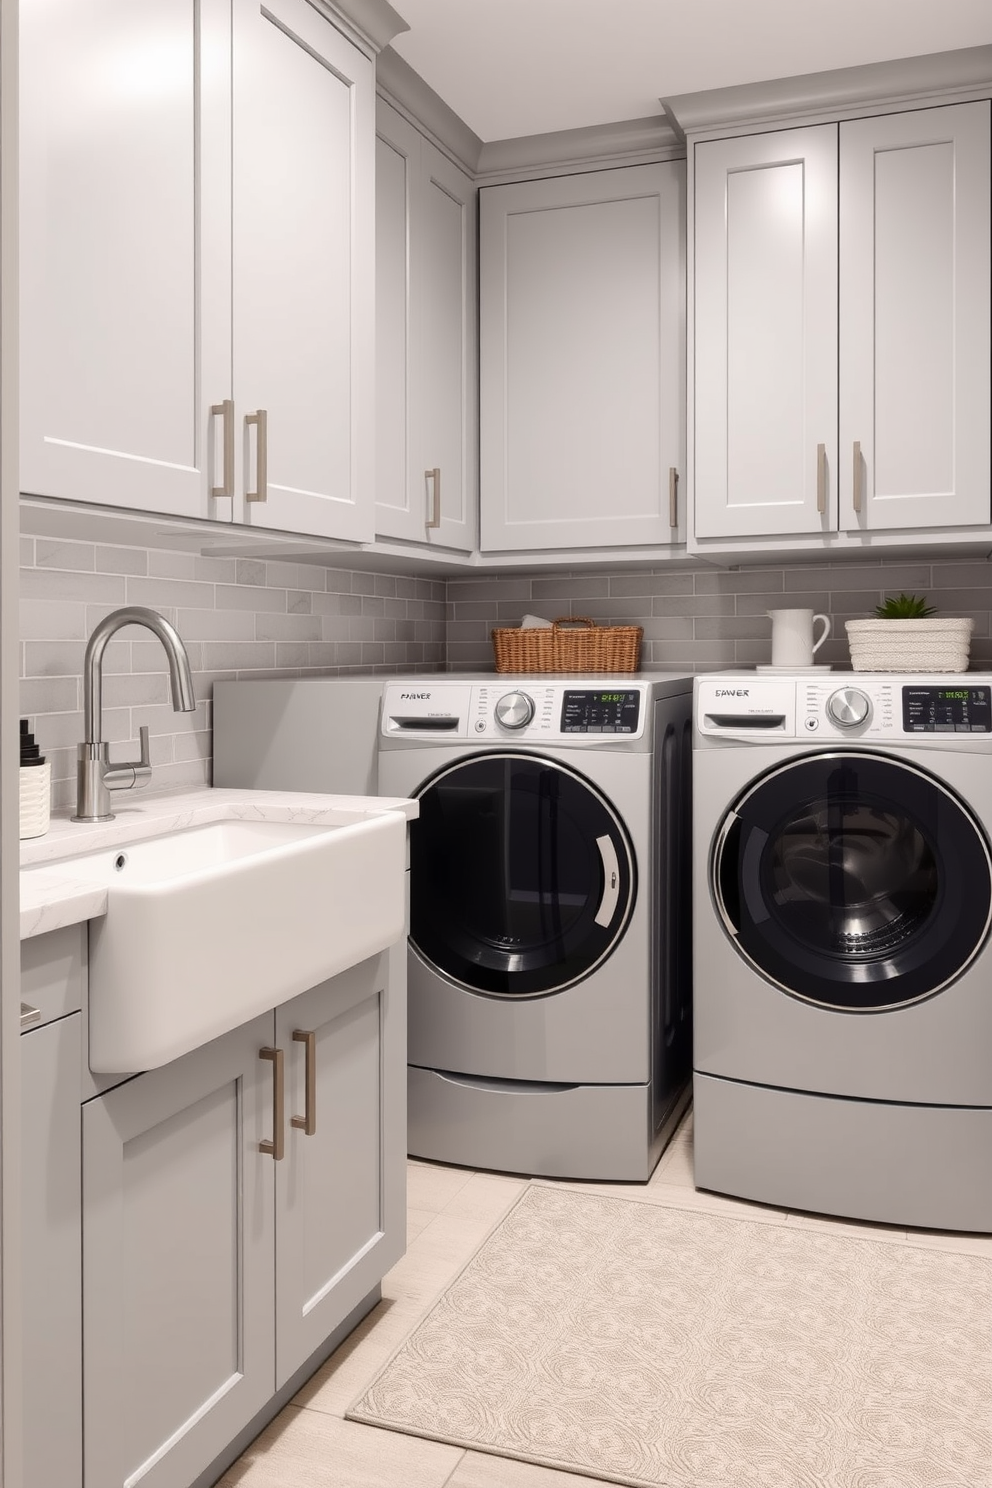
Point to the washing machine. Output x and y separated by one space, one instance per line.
549 967
843 970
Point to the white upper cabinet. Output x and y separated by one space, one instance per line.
765 332
304 288
426 340
582 360
165 295
914 319
125 320
841 332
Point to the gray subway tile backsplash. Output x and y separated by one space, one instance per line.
238 617
253 617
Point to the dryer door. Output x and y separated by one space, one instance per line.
522 875
853 881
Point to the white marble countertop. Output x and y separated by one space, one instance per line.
51 897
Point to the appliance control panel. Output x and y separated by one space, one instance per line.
578 710
845 705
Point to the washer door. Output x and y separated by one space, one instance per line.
522 876
853 881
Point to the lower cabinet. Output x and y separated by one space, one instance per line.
51 1363
237 1206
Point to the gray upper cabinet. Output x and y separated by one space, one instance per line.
426 341
841 328
582 360
915 316
197 234
765 332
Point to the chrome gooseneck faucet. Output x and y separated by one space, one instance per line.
96 777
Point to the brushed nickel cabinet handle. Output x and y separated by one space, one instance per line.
434 476
277 1147
673 497
261 420
821 477
225 411
857 475
307 1123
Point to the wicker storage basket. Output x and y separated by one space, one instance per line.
909 645
572 644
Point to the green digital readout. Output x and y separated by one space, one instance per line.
612 697
946 697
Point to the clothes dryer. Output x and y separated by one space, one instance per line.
843 970
549 967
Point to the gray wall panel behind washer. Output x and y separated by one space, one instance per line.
305 734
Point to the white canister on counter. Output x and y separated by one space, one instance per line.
36 787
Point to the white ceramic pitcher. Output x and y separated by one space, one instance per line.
792 637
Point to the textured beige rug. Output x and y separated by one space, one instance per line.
648 1345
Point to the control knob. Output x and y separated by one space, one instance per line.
848 707
515 710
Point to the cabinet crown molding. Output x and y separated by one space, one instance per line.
909 79
559 152
407 92
375 21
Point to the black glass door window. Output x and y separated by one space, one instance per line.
854 881
522 876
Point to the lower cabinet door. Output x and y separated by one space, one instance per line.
336 1212
178 1263
51 1382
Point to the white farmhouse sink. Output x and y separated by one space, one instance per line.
209 926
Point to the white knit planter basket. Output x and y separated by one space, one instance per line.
909 645
36 796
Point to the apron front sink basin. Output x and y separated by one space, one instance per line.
209 926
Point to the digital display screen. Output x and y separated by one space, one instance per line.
947 710
589 712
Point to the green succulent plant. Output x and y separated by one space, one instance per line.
904 607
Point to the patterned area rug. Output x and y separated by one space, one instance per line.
648 1345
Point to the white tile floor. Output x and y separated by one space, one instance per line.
450 1212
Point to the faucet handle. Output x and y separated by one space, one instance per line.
144 758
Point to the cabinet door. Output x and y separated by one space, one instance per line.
581 380
445 389
426 340
304 284
340 1194
125 222
401 499
765 334
177 1263
51 1373
914 319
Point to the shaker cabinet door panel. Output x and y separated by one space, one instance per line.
337 1232
401 501
445 389
303 283
426 340
915 314
51 1279
177 1263
125 250
582 334
765 375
